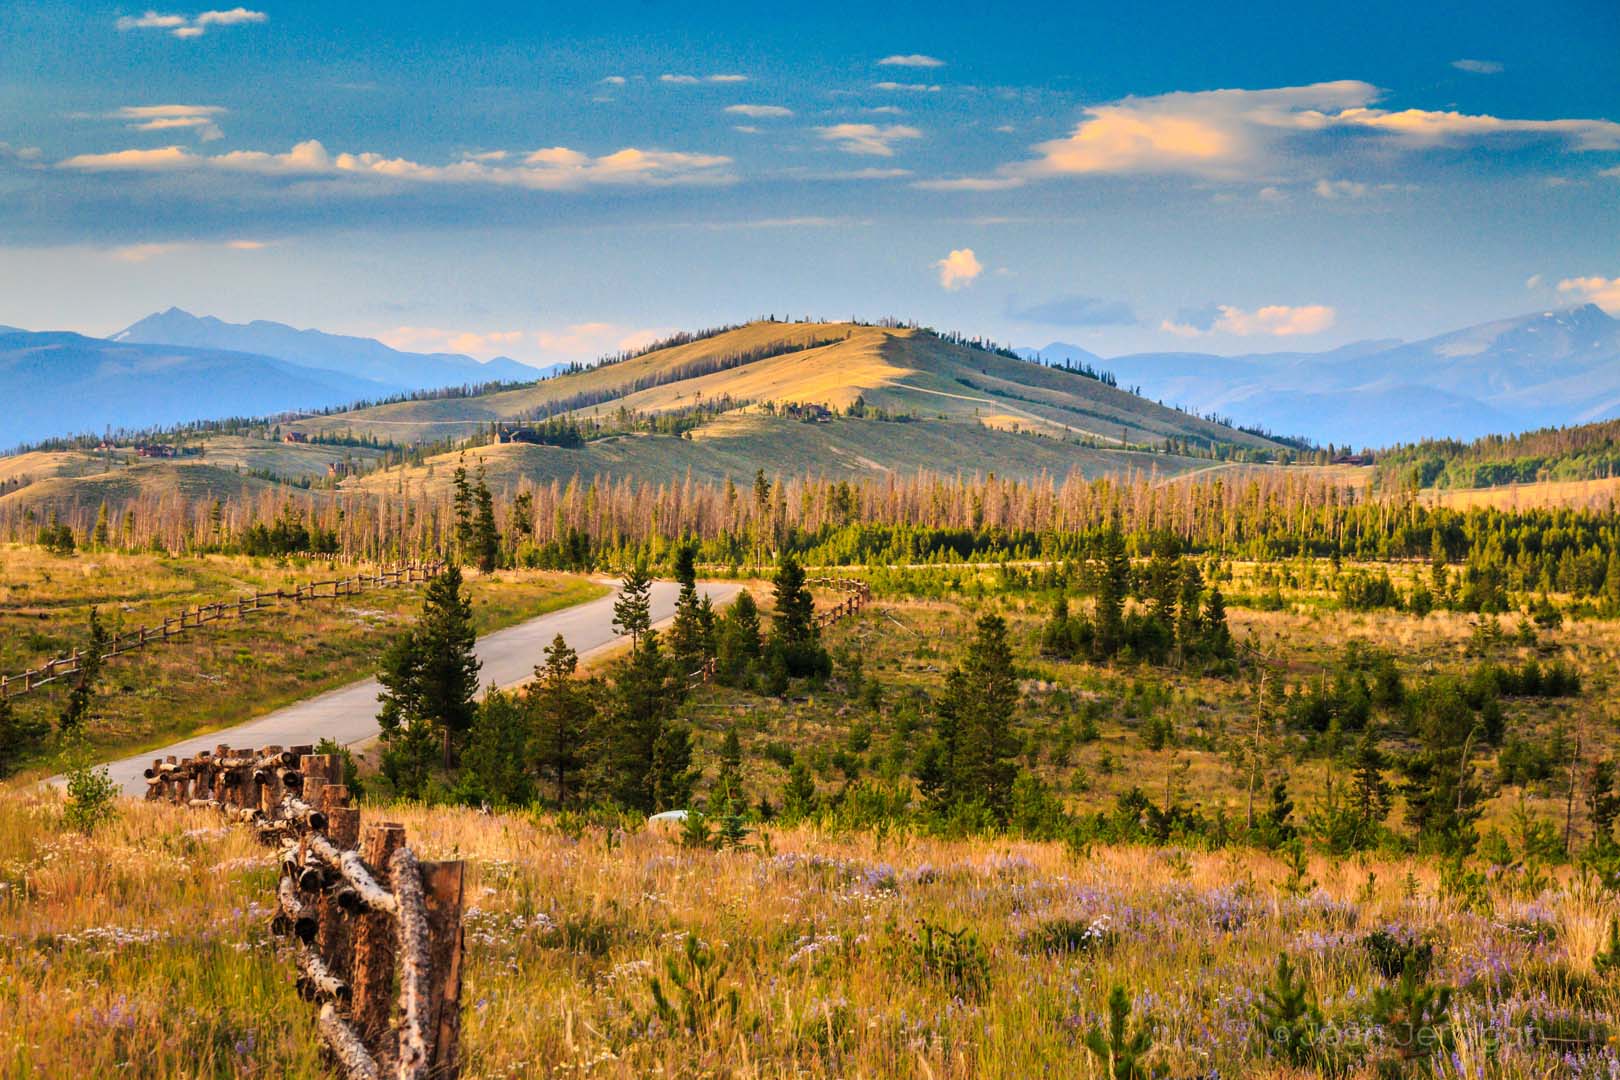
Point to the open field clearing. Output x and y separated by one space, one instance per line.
1580 494
226 671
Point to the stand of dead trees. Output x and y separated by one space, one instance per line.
377 933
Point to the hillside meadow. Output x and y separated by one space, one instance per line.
226 671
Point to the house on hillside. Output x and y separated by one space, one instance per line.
337 470
156 450
1354 459
295 437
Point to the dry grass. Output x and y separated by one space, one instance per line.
144 952
1576 494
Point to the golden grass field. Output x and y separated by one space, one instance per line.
143 951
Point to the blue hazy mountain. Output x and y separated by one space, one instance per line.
363 358
1545 369
67 383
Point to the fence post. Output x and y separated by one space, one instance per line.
373 982
442 885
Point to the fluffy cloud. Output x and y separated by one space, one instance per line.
189 26
911 60
1340 189
203 119
1274 320
1076 311
868 138
907 87
1602 291
1254 134
554 169
959 269
759 111
1478 67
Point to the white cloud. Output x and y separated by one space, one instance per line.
139 253
203 119
913 88
959 269
1602 291
613 80
1273 320
886 110
184 26
1341 189
868 138
693 80
1533 281
553 169
1478 67
911 60
971 183
759 111
1262 134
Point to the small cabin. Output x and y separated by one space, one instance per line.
295 437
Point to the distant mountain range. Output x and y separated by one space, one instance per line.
69 384
361 357
1540 370
174 367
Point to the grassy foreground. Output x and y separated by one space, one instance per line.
230 670
143 951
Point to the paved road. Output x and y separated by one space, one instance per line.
349 714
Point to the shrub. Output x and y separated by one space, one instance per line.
92 796
954 958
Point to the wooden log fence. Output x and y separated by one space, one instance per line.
376 934
203 614
857 594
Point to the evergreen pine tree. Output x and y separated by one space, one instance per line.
737 643
1369 791
494 766
975 723
77 707
1113 585
486 538
1217 635
795 608
687 647
429 677
640 707
102 532
560 707
463 507
799 797
1189 618
632 610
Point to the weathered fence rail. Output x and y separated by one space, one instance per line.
376 934
203 614
858 595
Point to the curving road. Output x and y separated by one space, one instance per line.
349 713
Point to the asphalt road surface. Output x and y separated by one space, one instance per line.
349 713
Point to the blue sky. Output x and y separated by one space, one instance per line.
553 181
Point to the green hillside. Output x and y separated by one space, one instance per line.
902 371
831 399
